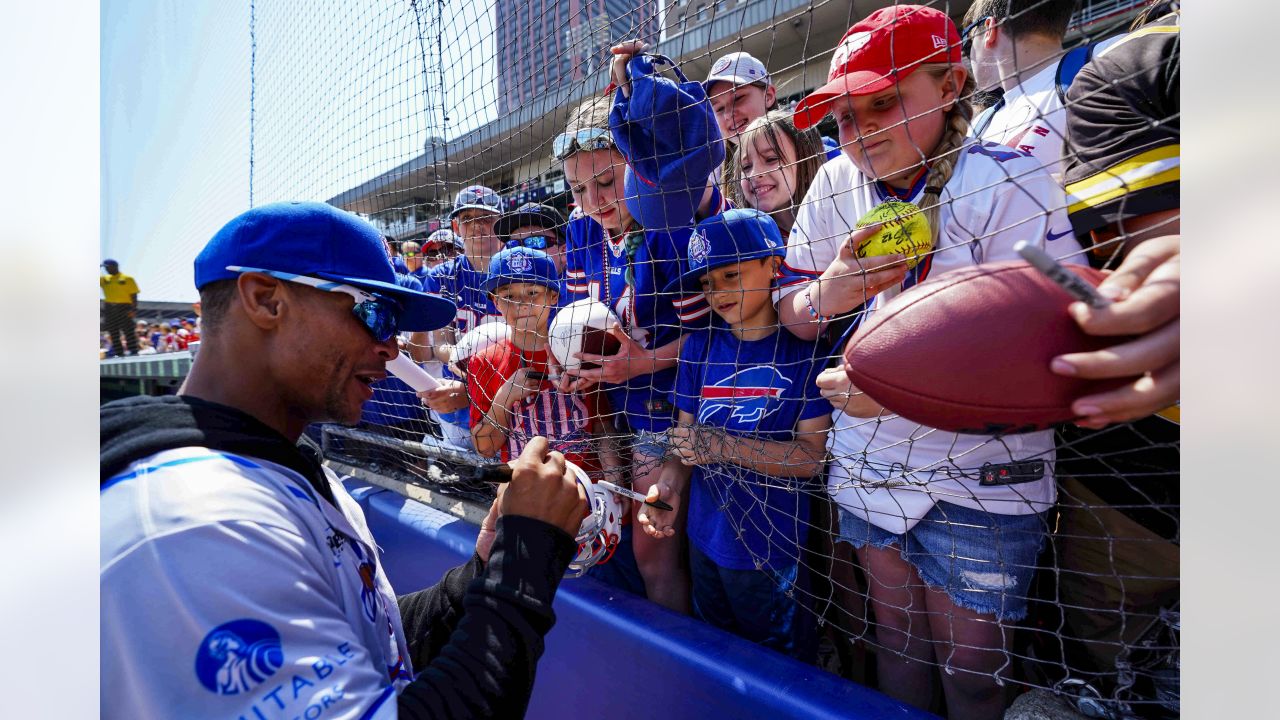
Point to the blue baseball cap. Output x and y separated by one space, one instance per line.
317 240
476 197
730 237
521 264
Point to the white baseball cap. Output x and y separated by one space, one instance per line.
738 68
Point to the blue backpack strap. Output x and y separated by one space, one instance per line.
1069 66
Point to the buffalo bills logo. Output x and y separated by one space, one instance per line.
743 399
721 66
237 656
698 248
519 262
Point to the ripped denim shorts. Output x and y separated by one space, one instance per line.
983 561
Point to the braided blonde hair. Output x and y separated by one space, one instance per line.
944 156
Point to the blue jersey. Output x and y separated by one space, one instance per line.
752 388
598 268
457 280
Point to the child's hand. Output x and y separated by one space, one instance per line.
631 360
622 54
518 388
450 396
843 396
850 280
694 444
660 523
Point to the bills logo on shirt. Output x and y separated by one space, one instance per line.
237 656
698 248
746 397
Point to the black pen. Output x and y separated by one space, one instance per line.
501 472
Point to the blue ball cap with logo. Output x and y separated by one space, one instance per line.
521 264
317 240
728 238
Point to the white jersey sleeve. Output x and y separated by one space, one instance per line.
195 640
815 238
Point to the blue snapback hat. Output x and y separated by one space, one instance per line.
317 240
521 264
730 237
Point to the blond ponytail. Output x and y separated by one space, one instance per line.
943 161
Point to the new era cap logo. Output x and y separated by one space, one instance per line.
847 48
938 42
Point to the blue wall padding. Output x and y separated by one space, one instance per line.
613 655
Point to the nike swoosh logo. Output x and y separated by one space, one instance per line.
1051 235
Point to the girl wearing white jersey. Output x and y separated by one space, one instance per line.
947 559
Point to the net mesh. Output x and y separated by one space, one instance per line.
890 552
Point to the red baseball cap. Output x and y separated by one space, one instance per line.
878 52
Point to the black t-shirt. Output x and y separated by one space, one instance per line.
1121 153
1122 161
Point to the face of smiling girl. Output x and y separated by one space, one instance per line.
889 133
768 176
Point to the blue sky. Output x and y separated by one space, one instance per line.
339 99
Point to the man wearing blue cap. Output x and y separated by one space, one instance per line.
475 210
750 437
238 577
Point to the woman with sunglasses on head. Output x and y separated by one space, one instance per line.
613 259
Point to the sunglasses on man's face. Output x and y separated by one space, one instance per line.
380 315
536 242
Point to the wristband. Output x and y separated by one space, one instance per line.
813 312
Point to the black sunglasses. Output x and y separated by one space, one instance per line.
966 36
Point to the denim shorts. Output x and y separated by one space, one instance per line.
983 561
763 606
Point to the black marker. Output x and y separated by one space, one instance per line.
1076 286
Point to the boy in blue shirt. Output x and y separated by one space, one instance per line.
751 435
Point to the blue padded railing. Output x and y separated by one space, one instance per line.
613 655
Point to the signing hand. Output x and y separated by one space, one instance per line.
542 488
489 526
1145 294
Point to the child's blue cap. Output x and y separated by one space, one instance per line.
730 237
317 240
521 264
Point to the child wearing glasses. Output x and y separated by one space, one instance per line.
949 556
513 398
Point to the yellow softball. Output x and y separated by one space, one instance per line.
905 231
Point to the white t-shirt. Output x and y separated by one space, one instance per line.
995 198
1032 119
229 590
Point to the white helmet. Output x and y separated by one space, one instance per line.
600 530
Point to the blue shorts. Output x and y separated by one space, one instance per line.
983 561
652 444
754 604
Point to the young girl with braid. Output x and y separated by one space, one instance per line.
949 558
